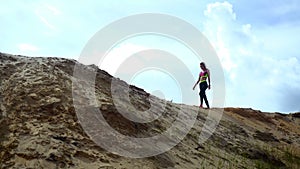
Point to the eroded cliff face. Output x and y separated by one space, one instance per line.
39 127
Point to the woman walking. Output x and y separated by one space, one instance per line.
204 76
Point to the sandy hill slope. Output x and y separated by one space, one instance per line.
40 126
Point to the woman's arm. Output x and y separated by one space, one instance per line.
196 83
208 73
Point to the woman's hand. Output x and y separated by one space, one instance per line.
195 86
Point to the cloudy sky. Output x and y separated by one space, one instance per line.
257 43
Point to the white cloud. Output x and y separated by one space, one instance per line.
152 70
118 55
25 47
258 62
47 14
219 17
220 11
45 21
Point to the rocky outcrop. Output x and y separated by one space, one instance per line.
39 127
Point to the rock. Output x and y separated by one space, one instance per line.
263 136
53 100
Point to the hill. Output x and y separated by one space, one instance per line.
40 126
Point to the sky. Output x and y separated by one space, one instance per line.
256 42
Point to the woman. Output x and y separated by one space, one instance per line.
204 76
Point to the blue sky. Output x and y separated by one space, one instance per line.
256 41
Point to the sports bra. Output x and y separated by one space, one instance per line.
203 74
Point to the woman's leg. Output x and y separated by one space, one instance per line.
201 99
206 101
203 87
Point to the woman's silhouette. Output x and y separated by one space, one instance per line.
204 76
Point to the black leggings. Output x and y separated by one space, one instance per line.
203 87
